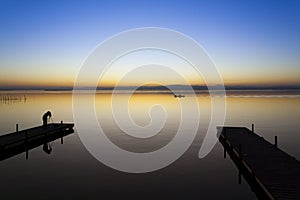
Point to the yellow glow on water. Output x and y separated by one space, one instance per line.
273 115
142 105
139 105
263 111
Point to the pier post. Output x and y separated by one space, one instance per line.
225 138
276 142
252 129
26 147
240 163
61 128
17 127
240 152
252 177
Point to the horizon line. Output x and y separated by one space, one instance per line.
157 87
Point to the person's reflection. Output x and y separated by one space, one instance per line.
47 148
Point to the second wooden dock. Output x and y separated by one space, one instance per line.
271 173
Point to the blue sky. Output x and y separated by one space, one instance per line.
251 42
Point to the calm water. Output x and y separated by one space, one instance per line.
71 172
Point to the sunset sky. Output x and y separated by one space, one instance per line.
43 43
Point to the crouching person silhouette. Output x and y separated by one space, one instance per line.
45 118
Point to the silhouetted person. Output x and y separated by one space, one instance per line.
47 148
45 118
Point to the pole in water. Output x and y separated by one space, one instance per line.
252 128
252 177
17 127
240 152
276 142
26 139
240 163
225 138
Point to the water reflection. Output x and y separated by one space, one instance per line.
47 148
73 173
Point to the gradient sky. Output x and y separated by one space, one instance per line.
43 43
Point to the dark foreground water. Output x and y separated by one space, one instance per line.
70 172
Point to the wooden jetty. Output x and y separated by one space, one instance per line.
22 141
270 172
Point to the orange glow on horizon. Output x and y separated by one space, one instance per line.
111 81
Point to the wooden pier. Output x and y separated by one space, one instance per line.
270 172
22 141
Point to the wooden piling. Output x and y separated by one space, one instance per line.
225 141
240 163
26 144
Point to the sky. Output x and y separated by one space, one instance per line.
44 43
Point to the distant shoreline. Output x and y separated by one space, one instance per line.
153 88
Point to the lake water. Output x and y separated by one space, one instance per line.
71 172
